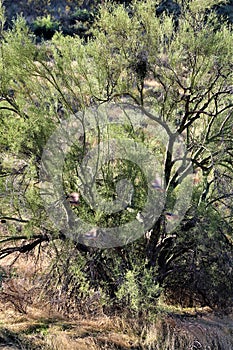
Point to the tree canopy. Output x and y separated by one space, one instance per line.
177 72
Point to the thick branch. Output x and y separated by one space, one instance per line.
5 218
24 248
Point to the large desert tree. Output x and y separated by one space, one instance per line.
175 69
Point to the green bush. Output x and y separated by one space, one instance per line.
45 27
82 15
139 292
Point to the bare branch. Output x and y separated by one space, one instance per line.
24 248
13 219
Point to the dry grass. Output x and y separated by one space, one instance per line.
176 333
37 330
29 323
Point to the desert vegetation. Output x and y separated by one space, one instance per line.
164 283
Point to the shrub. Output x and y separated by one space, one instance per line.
139 291
82 15
45 27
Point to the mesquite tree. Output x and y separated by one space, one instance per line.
177 71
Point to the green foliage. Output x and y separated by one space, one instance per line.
106 179
2 17
45 27
45 22
139 292
181 73
82 15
